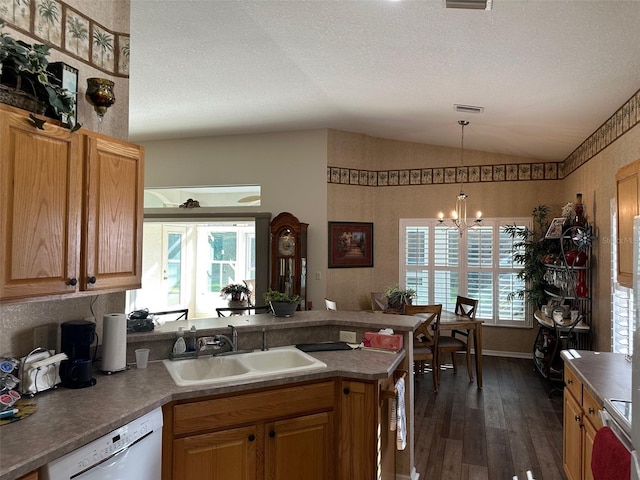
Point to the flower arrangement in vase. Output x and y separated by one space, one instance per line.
237 294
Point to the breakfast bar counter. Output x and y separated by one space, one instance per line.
67 419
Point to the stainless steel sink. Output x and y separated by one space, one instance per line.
241 366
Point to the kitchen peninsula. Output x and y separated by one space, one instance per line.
67 419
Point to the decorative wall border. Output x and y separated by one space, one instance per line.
63 28
625 118
446 175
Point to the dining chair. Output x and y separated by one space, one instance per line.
330 304
248 310
425 339
451 343
251 285
378 301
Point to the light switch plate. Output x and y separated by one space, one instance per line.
41 337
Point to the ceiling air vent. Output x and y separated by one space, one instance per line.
469 4
467 109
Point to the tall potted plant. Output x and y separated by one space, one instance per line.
282 305
531 250
237 294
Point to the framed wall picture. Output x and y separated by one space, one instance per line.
555 229
350 244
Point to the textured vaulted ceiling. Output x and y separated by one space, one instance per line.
547 72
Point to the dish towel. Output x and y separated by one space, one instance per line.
401 417
393 414
610 460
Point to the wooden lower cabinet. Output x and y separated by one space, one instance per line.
30 476
336 429
229 454
300 448
283 433
580 424
366 446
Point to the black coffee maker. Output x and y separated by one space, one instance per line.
76 339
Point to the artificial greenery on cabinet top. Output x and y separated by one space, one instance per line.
23 67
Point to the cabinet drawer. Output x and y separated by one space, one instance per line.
591 407
573 384
252 407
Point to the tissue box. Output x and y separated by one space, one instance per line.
382 340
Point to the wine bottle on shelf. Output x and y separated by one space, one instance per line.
581 286
579 220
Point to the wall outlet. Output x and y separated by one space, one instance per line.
41 337
349 337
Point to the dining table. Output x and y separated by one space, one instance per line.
452 321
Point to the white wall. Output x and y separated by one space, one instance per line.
287 166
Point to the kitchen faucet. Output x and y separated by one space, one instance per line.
215 343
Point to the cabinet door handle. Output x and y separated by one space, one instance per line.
346 391
576 418
92 280
73 281
252 437
591 411
272 434
569 382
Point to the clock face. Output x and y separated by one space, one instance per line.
286 244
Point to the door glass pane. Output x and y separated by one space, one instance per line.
174 268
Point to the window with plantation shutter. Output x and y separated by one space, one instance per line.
441 264
622 302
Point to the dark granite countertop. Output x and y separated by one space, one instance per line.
604 374
67 419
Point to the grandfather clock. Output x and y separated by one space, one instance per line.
289 256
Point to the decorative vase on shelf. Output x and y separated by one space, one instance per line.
100 95
581 285
237 303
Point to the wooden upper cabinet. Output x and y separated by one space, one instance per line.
71 210
628 206
41 175
112 228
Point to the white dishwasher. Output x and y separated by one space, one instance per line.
132 452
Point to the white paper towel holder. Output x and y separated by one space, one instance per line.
114 343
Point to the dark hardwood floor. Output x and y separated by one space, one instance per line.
503 429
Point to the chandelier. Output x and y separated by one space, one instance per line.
459 215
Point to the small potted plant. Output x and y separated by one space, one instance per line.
282 304
398 297
25 82
237 294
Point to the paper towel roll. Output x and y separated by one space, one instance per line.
114 342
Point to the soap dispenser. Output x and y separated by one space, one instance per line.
180 346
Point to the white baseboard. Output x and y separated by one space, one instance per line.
500 353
